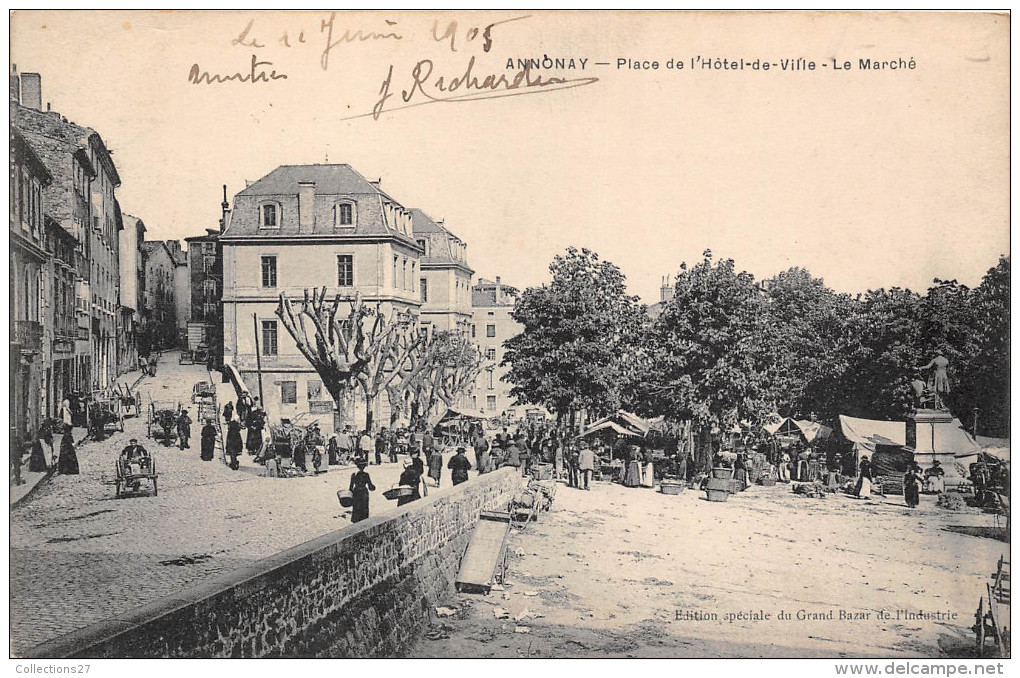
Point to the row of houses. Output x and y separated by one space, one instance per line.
81 295
326 225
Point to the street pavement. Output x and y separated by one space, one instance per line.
80 555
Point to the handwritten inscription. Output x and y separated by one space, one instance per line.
259 72
426 89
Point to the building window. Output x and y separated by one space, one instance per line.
396 260
492 384
424 245
490 403
474 402
403 275
490 354
424 287
345 214
472 331
269 346
269 215
269 271
490 331
345 270
288 392
314 390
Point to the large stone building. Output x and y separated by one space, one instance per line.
28 262
492 303
445 283
205 268
182 289
159 308
132 286
301 227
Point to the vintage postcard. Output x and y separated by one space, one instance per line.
510 334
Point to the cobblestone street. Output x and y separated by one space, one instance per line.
79 555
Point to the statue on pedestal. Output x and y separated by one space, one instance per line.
937 385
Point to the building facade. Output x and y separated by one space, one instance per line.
182 290
81 200
205 270
132 236
492 303
159 306
444 286
28 262
303 227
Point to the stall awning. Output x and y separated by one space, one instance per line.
866 434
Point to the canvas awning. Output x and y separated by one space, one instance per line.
623 423
452 414
811 430
867 434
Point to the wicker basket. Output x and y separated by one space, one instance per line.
767 482
671 486
722 472
717 495
398 491
346 498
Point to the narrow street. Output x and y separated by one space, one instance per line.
80 555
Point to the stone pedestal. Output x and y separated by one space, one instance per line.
922 424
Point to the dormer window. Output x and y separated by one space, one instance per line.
269 215
424 245
343 214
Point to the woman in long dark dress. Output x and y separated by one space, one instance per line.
361 485
863 490
208 441
37 462
912 486
68 462
632 478
234 444
436 465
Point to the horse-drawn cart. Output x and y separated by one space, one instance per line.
162 420
133 471
104 414
130 401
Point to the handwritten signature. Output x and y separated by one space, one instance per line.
425 89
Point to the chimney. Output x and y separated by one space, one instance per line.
306 205
31 91
224 207
15 84
499 290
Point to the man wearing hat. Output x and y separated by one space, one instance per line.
361 485
459 465
184 429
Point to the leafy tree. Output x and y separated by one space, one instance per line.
580 337
708 351
984 374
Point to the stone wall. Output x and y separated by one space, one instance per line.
364 591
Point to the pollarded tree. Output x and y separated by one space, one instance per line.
578 331
441 371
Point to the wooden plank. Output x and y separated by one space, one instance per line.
484 552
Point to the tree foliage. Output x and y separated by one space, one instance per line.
580 337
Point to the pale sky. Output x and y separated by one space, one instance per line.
866 178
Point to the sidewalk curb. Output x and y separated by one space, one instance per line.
52 472
43 480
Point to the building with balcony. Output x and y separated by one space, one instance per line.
28 261
159 301
81 200
302 227
205 268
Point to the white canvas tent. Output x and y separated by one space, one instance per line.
811 430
